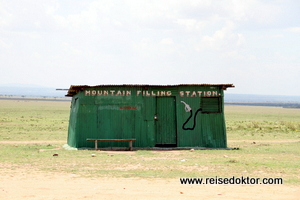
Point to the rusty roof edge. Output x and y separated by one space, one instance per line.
75 88
149 85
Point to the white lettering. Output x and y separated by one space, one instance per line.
128 93
119 93
99 92
193 94
87 93
187 93
147 93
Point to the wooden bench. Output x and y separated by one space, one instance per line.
96 142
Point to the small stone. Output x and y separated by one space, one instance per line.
192 150
55 154
93 155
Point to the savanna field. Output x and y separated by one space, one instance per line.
267 140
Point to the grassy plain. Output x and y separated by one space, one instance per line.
262 123
268 139
33 120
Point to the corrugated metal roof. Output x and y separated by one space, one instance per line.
76 88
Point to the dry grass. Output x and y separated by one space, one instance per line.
251 128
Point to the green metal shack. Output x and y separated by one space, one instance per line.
186 115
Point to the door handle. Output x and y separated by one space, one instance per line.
155 117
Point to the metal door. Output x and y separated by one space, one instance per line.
165 121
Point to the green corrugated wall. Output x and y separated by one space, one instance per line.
112 112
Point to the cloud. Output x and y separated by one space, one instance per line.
5 15
223 39
148 41
167 41
259 11
192 24
5 45
69 49
236 55
293 29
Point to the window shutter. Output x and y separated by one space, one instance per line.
211 104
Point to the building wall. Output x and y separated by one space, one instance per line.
116 112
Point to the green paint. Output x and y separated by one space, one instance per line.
122 112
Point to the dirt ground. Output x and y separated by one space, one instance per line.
37 185
26 184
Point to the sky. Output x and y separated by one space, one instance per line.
253 44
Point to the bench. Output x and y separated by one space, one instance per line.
96 142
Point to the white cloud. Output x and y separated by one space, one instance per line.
259 11
69 49
167 41
293 29
236 55
277 36
180 41
5 45
223 39
192 24
5 16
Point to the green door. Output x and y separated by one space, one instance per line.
165 121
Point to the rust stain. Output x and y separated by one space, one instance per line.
129 107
